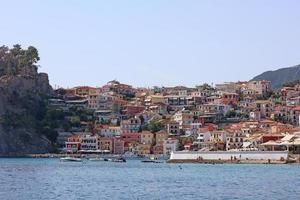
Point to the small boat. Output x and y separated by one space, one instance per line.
151 161
119 160
148 161
71 159
97 159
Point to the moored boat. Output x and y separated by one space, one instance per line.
151 161
97 159
119 160
71 159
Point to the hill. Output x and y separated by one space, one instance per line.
280 76
23 97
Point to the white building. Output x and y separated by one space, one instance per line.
184 118
255 115
110 131
193 129
169 146
203 137
214 108
182 93
262 87
235 139
89 142
218 136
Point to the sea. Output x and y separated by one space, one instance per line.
49 178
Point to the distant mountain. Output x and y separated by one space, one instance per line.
280 76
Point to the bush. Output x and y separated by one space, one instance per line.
155 126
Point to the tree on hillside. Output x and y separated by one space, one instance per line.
155 126
17 60
205 86
291 84
230 113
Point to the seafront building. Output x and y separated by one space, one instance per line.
244 115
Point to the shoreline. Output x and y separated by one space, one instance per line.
169 161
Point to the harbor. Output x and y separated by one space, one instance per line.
138 180
196 157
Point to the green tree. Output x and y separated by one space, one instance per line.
155 126
230 113
142 119
16 60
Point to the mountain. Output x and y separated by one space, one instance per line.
280 76
23 97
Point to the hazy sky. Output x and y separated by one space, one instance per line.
157 42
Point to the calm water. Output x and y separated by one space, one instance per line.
51 179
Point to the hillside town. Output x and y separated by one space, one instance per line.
120 119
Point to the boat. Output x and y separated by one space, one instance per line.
151 161
118 160
97 159
148 161
71 159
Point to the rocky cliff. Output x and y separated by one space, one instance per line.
23 94
21 101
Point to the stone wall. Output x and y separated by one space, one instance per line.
227 155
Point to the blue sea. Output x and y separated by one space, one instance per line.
39 179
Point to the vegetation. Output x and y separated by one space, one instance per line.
183 141
292 83
142 119
230 114
241 97
155 126
17 60
205 86
26 109
266 96
104 121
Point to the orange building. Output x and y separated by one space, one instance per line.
106 144
73 143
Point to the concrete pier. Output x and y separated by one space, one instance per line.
229 157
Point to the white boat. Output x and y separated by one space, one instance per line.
71 159
96 159
118 160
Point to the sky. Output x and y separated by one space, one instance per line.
154 43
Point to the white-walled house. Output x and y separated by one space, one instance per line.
110 131
89 142
169 146
235 139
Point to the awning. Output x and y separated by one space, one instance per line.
297 142
271 143
287 137
247 144
286 143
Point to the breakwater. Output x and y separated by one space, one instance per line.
261 157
